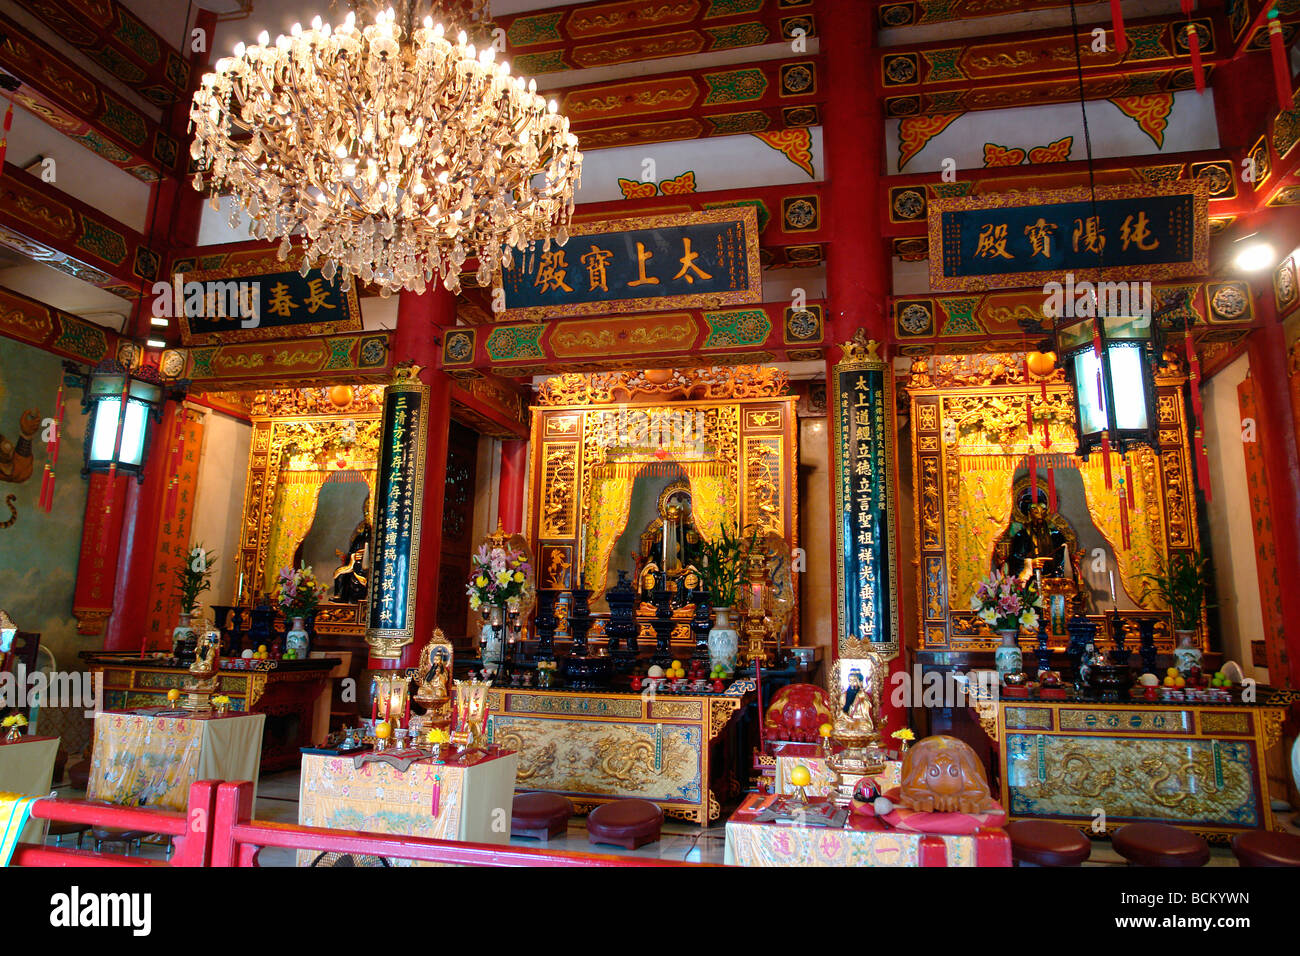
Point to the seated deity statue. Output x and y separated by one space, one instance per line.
1038 546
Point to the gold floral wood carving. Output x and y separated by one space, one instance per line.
719 381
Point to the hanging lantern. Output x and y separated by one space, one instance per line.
124 405
1121 411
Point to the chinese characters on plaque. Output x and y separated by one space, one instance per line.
864 455
400 492
639 264
1160 231
267 306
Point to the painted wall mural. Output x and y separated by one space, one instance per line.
36 584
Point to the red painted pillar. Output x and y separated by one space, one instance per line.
858 258
138 547
418 339
1275 427
510 497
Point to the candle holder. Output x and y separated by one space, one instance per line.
663 621
545 622
1147 643
1083 633
1042 652
621 631
583 669
1121 655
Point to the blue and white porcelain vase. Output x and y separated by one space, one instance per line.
1007 658
724 641
183 636
297 640
1187 653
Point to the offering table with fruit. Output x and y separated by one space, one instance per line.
675 749
1198 765
289 692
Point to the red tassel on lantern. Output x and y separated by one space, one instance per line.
1128 481
45 489
1051 489
4 140
1125 538
1281 66
1117 24
1033 476
52 446
1105 459
49 493
1194 48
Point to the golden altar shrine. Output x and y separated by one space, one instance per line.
27 769
473 793
861 842
599 747
294 695
631 470
145 759
972 453
1198 766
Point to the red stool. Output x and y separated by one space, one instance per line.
539 815
1159 844
625 823
1043 843
1262 848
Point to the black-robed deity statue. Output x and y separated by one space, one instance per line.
1038 546
351 582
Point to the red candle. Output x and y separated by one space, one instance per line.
406 715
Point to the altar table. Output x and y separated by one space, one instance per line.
140 759
27 768
1196 765
791 755
864 841
474 798
598 746
293 694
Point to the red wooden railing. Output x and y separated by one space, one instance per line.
217 829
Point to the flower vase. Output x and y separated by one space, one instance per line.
15 734
724 641
1007 658
1187 652
296 639
183 637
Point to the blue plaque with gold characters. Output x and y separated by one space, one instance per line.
862 418
221 306
1019 239
399 494
690 260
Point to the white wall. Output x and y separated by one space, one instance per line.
1231 531
219 502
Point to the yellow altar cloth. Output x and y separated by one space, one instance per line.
27 769
473 801
822 776
145 760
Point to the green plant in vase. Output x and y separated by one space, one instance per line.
1180 582
724 565
193 577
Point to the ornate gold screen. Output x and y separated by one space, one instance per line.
969 437
738 457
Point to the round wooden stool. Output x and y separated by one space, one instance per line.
539 815
625 823
1159 844
1262 848
1043 843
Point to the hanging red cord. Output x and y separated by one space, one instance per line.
4 139
1128 480
1281 65
1117 24
1194 48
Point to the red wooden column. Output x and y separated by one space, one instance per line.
420 322
510 497
1276 430
858 259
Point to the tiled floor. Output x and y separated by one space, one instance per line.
277 800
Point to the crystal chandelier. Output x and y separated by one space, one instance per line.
391 151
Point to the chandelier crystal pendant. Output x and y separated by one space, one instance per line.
393 153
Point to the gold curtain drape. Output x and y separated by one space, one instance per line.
984 506
713 502
606 518
1145 535
294 511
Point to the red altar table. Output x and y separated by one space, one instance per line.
863 841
